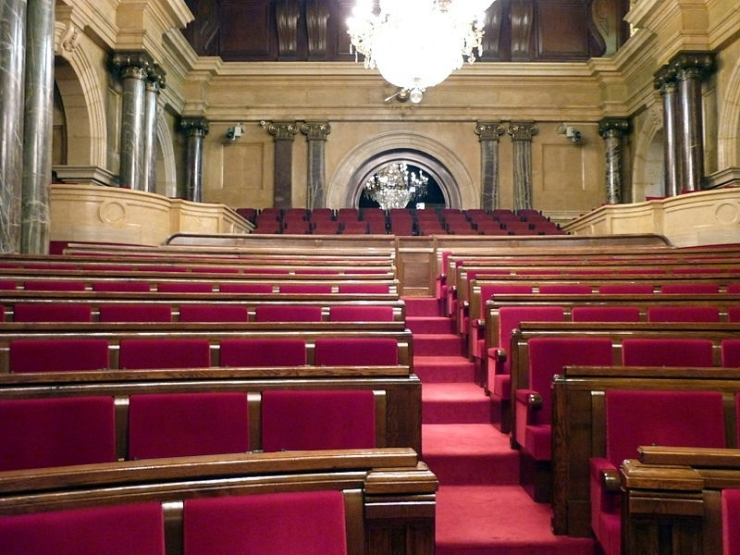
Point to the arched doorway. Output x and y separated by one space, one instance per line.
433 197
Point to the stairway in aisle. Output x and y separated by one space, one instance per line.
481 509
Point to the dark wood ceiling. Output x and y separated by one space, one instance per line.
316 30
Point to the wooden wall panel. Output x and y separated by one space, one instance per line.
562 30
247 30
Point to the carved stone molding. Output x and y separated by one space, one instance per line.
522 131
315 131
194 126
614 127
489 131
317 17
287 13
693 65
135 64
281 130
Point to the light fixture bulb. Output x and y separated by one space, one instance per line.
415 96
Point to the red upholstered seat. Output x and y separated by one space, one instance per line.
52 312
360 313
731 521
363 288
7 285
306 420
730 353
689 288
138 354
120 285
257 352
313 289
117 530
186 424
57 355
372 351
683 314
635 418
57 285
733 313
309 523
667 352
135 313
213 313
40 433
626 289
288 313
605 314
184 287
566 289
245 288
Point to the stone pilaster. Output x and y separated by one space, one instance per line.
12 62
612 130
155 82
37 137
521 135
283 133
195 129
488 136
691 69
667 83
133 69
316 134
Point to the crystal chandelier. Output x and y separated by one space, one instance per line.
416 44
394 186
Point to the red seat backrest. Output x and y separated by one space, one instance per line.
667 352
605 314
307 420
117 530
667 418
120 285
288 313
52 312
135 313
40 433
258 352
683 314
57 355
314 289
731 521
245 287
371 351
187 424
689 288
626 289
360 313
511 316
43 285
213 313
730 353
184 287
139 354
363 287
309 523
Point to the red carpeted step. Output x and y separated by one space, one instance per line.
429 324
454 403
444 369
472 454
437 345
483 520
421 306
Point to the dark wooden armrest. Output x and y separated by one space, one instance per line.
610 480
534 401
690 456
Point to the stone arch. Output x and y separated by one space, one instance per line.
443 164
647 171
83 98
728 147
166 162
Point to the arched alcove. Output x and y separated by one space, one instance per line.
648 179
440 162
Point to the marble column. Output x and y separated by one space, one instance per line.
521 135
488 136
612 130
155 82
691 69
38 123
133 69
283 133
666 82
12 63
195 129
316 134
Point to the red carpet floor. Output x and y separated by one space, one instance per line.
481 509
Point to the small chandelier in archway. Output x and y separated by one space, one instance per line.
394 186
417 44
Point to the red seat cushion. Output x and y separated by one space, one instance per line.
185 424
309 523
305 420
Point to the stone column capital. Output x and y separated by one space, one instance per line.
614 127
522 131
156 77
194 126
132 64
489 131
693 65
281 130
665 79
315 130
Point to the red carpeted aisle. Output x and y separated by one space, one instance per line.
481 509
